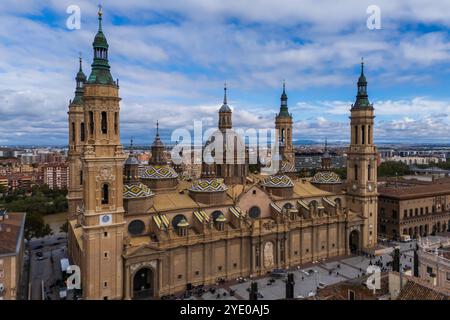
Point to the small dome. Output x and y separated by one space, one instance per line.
183 223
100 40
278 181
208 185
136 191
221 218
132 161
159 172
326 177
225 108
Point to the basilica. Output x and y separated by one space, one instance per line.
145 232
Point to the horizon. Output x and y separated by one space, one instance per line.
174 66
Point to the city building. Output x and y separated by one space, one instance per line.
11 253
56 175
140 234
414 209
434 262
392 287
424 160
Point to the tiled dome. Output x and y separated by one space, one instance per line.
326 177
136 191
278 181
208 185
159 172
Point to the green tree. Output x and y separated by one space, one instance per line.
35 227
392 169
64 227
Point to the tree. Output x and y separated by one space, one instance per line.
35 227
392 169
65 227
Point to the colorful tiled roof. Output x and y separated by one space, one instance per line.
136 190
278 181
208 185
159 172
326 177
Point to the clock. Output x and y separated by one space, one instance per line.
369 187
354 187
105 219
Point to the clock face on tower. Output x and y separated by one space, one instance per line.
105 219
369 187
354 187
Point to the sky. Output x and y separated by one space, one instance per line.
173 57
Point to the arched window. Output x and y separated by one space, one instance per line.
105 194
81 177
116 123
369 172
369 141
356 172
363 136
91 122
73 131
104 123
82 131
356 134
282 135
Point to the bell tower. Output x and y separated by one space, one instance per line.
283 127
102 219
77 137
362 163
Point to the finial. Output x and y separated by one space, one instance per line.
225 93
131 145
284 86
157 128
362 65
81 61
100 13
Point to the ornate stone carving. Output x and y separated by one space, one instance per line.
268 254
139 265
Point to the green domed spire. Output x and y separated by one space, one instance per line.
284 112
100 73
81 79
362 99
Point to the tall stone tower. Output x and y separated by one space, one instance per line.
77 137
283 127
102 219
362 164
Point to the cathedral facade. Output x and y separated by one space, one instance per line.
148 233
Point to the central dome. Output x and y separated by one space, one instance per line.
208 185
278 181
156 172
326 177
136 190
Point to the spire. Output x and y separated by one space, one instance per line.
284 112
225 107
100 73
225 93
362 99
131 146
100 14
157 149
326 158
80 80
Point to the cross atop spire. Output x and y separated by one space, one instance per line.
131 145
362 65
100 14
225 93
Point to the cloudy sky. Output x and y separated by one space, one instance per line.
172 58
